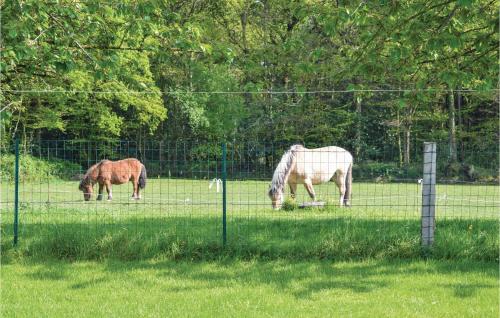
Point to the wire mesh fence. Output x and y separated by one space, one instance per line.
184 193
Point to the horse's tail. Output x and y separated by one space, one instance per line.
348 186
142 178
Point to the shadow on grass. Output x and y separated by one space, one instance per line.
465 290
49 273
302 279
193 238
315 277
89 283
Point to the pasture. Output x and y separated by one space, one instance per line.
183 218
163 255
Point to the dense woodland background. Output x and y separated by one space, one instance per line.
403 72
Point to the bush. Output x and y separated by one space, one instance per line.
32 168
385 171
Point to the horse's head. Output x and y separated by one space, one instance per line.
86 187
276 197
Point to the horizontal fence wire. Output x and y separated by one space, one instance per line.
183 194
228 92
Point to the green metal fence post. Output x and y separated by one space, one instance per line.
16 192
224 193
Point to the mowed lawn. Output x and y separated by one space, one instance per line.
250 289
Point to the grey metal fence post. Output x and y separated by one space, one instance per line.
429 194
224 194
16 192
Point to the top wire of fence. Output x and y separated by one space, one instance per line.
277 92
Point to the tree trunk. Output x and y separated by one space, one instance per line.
398 131
243 19
407 145
452 127
459 126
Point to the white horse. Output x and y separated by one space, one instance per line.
312 166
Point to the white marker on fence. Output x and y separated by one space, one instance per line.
218 184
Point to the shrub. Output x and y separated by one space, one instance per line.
385 171
32 168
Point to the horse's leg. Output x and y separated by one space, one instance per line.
108 189
309 187
99 195
340 182
136 195
293 189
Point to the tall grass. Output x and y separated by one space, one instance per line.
336 239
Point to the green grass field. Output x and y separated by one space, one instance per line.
250 289
183 218
163 255
189 196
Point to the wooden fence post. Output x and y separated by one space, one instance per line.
429 194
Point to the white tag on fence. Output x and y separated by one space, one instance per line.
218 184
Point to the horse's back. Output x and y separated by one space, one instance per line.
120 171
131 162
320 164
326 155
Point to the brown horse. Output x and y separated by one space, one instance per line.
109 172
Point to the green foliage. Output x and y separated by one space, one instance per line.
172 54
34 169
385 172
78 49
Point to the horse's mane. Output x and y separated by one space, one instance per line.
86 177
283 169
